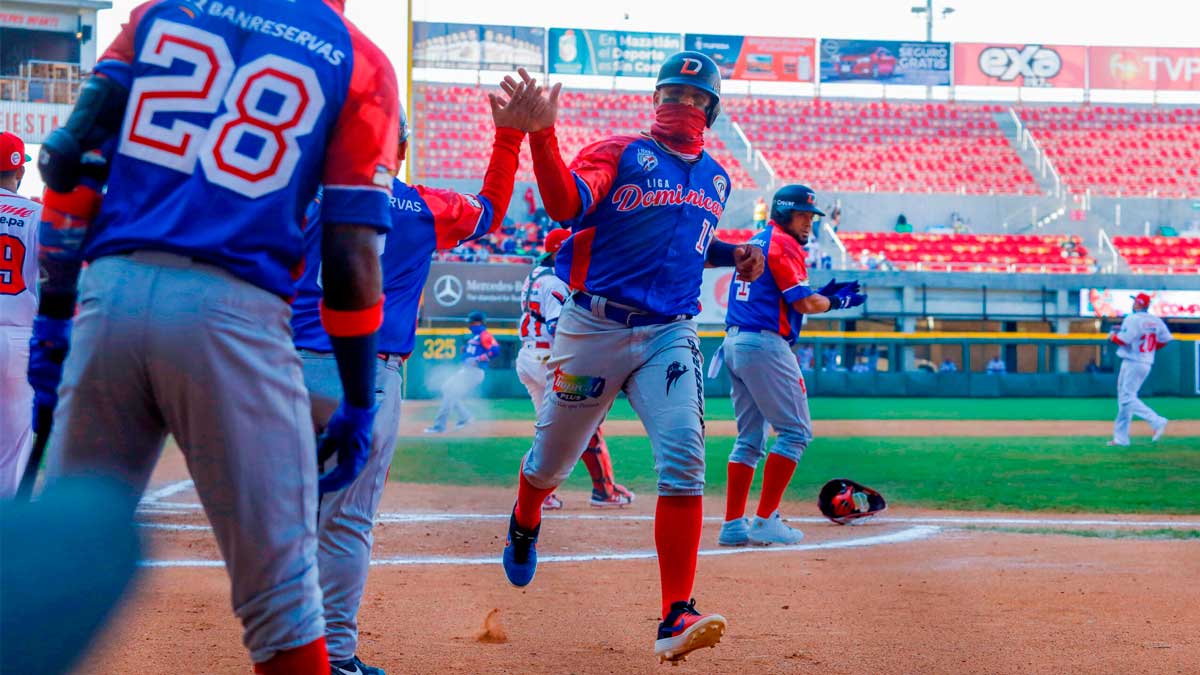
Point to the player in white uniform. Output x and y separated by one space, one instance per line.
542 298
1141 335
18 304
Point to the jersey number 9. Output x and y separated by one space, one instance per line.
251 149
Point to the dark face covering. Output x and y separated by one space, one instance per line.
679 127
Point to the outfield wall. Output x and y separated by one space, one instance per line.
1174 374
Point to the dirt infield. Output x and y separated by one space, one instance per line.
847 428
909 593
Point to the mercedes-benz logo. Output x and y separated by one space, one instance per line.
447 290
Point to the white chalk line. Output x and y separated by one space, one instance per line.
903 536
417 518
168 490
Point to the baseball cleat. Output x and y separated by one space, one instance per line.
1114 444
353 667
735 532
1158 433
520 553
684 630
619 497
462 424
435 429
767 531
552 502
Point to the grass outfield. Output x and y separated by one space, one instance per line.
902 408
1037 474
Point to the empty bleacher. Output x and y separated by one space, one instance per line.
874 146
1020 253
1160 255
454 127
1121 151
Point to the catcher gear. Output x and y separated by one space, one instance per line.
695 70
790 198
843 501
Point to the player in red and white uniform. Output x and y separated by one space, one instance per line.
211 126
18 303
542 298
1138 339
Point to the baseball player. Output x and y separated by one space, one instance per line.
761 325
18 303
1141 335
481 348
423 220
218 127
542 298
643 210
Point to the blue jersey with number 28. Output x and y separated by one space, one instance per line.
236 113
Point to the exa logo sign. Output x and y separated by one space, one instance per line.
1034 63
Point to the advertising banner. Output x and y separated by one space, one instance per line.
475 47
579 51
885 61
775 59
32 121
1013 65
1144 68
454 290
49 21
714 295
1117 302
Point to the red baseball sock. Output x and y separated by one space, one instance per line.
677 522
529 503
309 659
776 476
737 489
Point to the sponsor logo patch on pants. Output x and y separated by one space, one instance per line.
575 388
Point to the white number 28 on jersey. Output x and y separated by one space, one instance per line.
252 149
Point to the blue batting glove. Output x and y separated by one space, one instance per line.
846 298
47 352
348 436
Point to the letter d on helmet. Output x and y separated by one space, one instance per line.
696 70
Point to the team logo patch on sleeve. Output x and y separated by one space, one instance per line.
577 387
721 185
647 159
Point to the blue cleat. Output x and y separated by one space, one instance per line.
520 553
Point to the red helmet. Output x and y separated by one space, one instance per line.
843 501
555 239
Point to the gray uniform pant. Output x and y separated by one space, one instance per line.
768 388
455 391
1129 381
658 367
346 516
165 344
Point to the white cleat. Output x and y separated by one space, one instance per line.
735 532
1158 433
1114 444
767 531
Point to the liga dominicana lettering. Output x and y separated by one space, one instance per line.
629 197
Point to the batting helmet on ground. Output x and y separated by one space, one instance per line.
843 501
696 70
791 198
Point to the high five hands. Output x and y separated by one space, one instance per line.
528 107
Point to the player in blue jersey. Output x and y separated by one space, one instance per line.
478 352
643 210
762 323
423 220
211 127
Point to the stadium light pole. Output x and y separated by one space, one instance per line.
927 10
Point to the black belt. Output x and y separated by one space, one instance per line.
630 317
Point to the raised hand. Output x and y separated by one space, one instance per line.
543 108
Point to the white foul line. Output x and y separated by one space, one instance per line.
911 534
166 491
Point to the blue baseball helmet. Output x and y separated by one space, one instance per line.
791 198
696 70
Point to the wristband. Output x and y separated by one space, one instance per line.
352 322
720 253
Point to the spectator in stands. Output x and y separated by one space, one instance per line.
804 357
835 216
530 201
881 262
902 225
996 366
829 358
1069 249
760 213
948 366
864 259
957 224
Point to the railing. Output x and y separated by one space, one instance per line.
737 128
837 241
1041 161
42 82
761 162
1104 242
